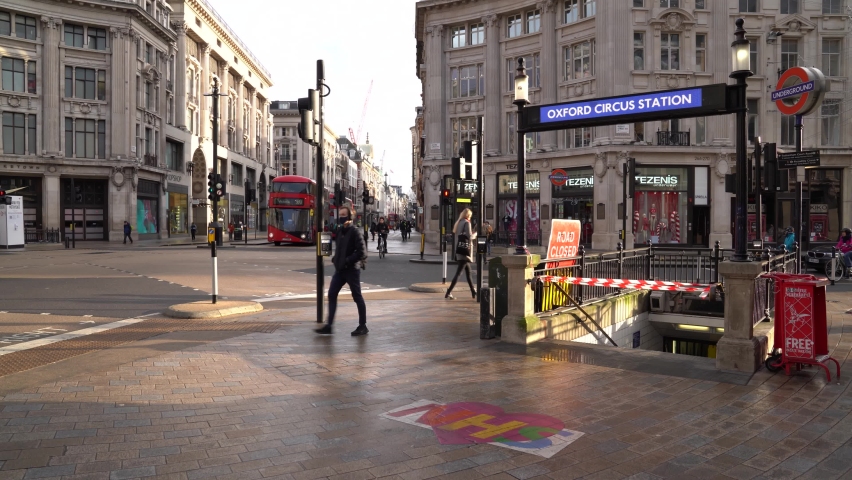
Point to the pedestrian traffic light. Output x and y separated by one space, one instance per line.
4 200
338 195
445 195
307 110
210 189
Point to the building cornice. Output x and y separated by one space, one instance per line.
127 6
212 18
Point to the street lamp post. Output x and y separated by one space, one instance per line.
741 57
521 100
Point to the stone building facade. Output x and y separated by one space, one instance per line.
467 54
101 128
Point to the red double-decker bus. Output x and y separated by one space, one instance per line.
292 204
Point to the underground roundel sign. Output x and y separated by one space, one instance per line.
558 177
799 90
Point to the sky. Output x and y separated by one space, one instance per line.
360 42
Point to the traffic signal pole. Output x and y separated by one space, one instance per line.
215 200
320 208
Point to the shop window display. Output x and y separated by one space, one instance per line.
824 187
146 216
509 210
660 206
573 198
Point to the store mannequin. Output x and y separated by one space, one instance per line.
645 227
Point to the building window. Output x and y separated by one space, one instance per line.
31 135
748 6
69 137
97 38
578 137
237 174
638 3
31 77
788 131
753 125
831 122
700 5
464 128
753 55
638 50
831 57
589 8
789 6
85 84
149 54
533 21
789 54
579 60
25 27
700 52
73 35
639 131
670 3
572 11
459 37
14 133
533 67
85 138
477 34
670 51
174 156
514 26
101 139
5 23
149 98
700 130
13 74
467 81
832 6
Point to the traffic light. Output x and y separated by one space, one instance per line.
338 195
210 188
219 186
445 195
307 126
4 200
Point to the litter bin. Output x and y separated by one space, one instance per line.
238 234
801 334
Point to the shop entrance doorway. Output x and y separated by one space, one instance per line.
701 226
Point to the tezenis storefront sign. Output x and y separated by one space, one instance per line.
679 103
658 180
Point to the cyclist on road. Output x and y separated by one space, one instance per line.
382 230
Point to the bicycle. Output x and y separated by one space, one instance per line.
383 246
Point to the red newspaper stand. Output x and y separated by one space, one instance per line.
801 333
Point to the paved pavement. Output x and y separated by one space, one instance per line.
284 403
262 396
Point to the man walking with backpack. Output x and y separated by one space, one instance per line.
349 257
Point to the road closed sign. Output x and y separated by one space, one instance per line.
564 242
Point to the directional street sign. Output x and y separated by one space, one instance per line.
807 158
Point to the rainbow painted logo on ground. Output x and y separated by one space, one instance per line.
473 422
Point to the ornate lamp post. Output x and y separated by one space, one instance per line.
741 56
521 100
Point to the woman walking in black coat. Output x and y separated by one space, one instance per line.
464 236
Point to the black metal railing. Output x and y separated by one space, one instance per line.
40 235
686 265
673 139
150 160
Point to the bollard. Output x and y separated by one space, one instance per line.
422 244
67 242
487 311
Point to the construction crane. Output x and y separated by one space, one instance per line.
363 114
382 161
352 137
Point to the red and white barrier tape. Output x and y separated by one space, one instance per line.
633 284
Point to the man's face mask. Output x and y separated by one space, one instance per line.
342 220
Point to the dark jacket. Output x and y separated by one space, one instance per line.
350 249
127 229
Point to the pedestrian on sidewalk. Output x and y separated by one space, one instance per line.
127 231
192 230
844 246
230 231
465 237
489 237
349 259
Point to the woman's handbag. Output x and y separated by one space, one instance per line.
463 245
